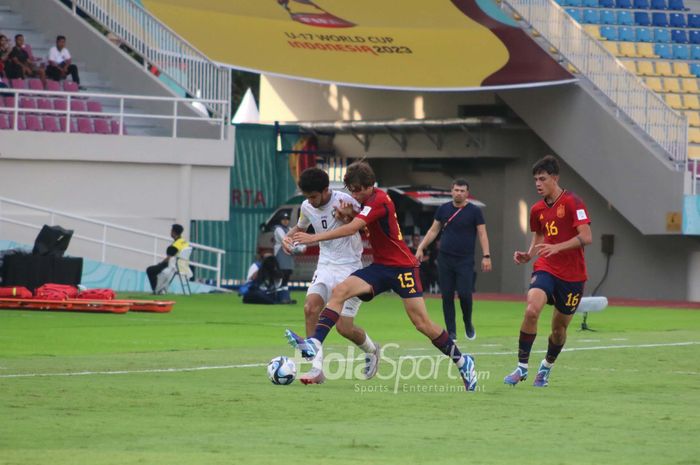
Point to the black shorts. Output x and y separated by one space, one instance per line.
404 281
564 295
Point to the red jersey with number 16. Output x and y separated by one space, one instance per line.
388 247
558 223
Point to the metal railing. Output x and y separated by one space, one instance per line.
104 238
172 115
668 128
162 47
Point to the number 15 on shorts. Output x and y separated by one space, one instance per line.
406 280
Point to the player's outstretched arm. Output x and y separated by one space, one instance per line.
346 230
428 239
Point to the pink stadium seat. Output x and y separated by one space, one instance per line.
4 122
44 104
114 125
10 102
93 106
21 123
77 105
35 84
70 86
85 126
53 86
50 124
32 123
101 126
60 104
27 103
73 124
18 84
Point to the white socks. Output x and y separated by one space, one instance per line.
317 362
368 346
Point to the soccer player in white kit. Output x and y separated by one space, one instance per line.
337 260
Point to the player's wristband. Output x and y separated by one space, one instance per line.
487 256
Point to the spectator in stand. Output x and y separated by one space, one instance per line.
5 50
60 64
20 64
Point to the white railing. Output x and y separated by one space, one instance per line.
108 236
668 128
162 47
172 115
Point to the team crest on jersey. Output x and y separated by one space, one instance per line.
541 216
561 211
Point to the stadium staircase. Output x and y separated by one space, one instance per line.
624 128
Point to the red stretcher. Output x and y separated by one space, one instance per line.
95 306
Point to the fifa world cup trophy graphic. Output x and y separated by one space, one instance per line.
307 12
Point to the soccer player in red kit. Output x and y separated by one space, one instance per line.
560 226
394 267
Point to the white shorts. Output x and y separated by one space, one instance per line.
327 277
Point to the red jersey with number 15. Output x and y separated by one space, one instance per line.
558 223
388 247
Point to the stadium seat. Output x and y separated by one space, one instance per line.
626 34
673 101
690 86
60 104
627 49
70 86
646 68
677 20
591 16
630 66
681 52
625 18
695 69
695 52
694 20
73 125
663 68
18 84
4 122
28 103
672 85
641 4
77 105
694 37
101 126
659 19
50 124
658 5
663 51
592 30
574 2
611 47
94 106
641 18
114 126
691 102
676 5
693 118
9 101
32 123
590 3
681 69
53 86
608 32
646 50
607 17
35 84
623 4
662 35
694 152
694 135
654 84
606 3
643 34
679 36
85 126
44 104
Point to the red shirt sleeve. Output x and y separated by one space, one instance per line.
371 211
534 221
580 212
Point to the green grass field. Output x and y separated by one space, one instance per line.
190 388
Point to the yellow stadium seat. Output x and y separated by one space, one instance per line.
681 68
691 102
693 118
663 68
671 85
673 101
646 68
694 152
627 49
654 84
694 135
630 65
690 86
611 47
646 50
593 31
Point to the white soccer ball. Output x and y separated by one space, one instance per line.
281 370
298 248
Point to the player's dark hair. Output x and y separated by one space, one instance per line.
60 38
313 180
548 165
359 174
460 182
177 229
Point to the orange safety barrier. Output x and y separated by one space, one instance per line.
97 306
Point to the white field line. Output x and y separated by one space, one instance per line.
257 365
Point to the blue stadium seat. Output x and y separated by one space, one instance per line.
607 17
679 36
623 3
659 19
681 52
664 51
643 34
662 35
625 18
626 34
694 37
677 20
590 3
695 52
576 14
560 2
641 4
677 5
695 69
641 18
606 3
658 5
591 16
574 2
693 20
609 32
